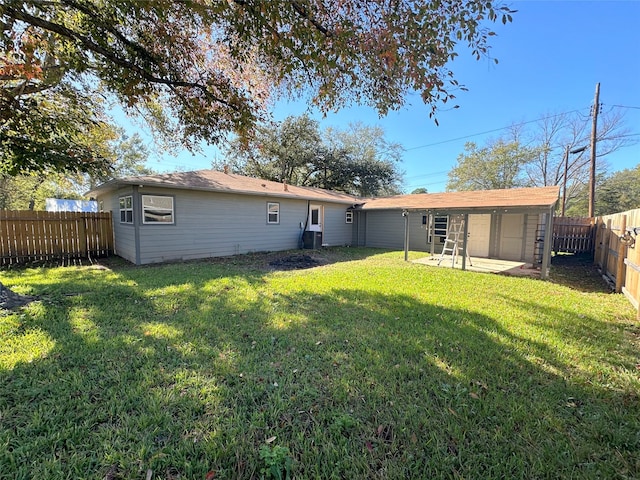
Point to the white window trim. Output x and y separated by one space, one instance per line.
348 218
269 213
125 209
173 211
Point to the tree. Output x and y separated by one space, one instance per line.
126 156
618 192
358 160
499 165
201 70
555 132
419 190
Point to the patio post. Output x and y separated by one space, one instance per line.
464 241
405 214
548 241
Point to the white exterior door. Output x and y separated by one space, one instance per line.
512 229
479 235
316 214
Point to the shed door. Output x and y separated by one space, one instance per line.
511 236
479 235
315 218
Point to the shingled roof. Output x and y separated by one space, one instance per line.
477 199
214 181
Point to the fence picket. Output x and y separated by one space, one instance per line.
27 236
611 229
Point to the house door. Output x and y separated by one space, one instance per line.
479 235
315 218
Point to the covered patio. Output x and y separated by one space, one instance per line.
506 231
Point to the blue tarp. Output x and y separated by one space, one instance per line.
63 205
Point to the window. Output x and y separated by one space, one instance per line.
348 217
101 206
273 212
439 229
157 209
126 209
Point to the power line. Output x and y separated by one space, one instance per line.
626 106
492 131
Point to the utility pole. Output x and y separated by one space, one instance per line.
592 172
564 180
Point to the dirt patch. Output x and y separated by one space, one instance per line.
10 300
294 262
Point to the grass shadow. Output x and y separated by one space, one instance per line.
578 272
187 368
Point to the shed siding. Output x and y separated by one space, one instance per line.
533 223
385 229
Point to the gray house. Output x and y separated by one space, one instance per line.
205 213
189 215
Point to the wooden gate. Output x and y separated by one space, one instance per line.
573 235
28 236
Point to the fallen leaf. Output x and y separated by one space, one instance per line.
210 475
369 446
149 474
414 439
380 429
318 342
474 395
270 439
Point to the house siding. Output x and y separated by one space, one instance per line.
336 231
210 224
124 233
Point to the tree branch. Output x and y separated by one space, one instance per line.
110 55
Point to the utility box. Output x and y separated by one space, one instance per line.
312 240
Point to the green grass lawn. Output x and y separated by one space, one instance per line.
367 367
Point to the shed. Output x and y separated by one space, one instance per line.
510 224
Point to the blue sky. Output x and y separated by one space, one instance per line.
550 58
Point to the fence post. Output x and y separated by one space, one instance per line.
605 248
621 254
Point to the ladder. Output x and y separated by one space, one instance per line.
454 243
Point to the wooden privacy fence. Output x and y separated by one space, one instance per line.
618 252
28 236
573 234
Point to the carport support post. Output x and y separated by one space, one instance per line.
405 214
548 241
464 241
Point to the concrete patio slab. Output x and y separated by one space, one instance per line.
485 265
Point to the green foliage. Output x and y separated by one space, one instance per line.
420 190
201 71
277 461
497 166
357 160
56 131
25 192
619 192
127 156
